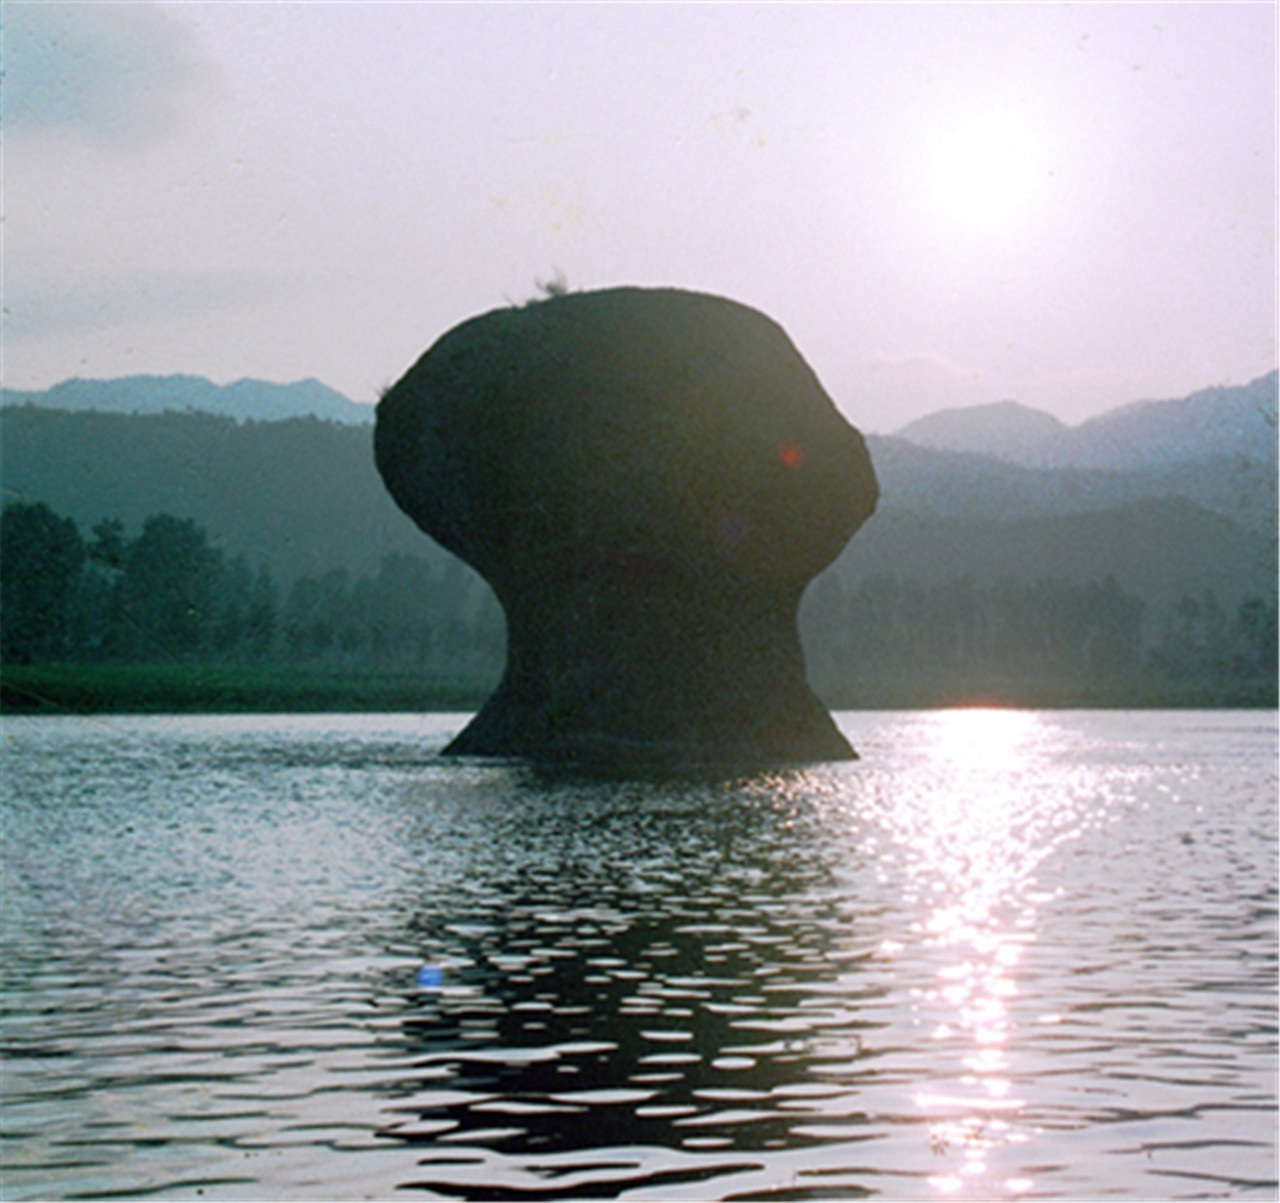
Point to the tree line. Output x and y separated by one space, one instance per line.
166 593
1092 643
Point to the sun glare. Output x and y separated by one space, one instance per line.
982 171
973 843
984 738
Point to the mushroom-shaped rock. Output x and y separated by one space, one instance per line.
648 478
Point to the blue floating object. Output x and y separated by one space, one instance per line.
431 977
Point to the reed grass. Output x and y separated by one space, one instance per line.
214 689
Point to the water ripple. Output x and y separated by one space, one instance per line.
1004 955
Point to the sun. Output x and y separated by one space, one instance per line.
982 173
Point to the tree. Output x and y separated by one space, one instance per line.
41 558
1114 644
169 587
401 610
100 618
1256 635
318 616
260 614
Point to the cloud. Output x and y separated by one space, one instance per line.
119 75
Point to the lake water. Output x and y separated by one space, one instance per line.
1006 954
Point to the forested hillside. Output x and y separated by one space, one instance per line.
975 578
299 497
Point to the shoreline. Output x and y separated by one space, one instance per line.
88 689
227 689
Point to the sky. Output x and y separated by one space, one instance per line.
1068 205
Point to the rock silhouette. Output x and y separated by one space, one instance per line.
648 478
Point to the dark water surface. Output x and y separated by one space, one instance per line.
1006 954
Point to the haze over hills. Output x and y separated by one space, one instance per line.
1226 422
302 495
1161 550
947 485
972 567
1229 423
1004 429
256 400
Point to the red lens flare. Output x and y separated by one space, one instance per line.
791 455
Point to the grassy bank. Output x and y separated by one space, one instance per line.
191 688
1140 693
215 689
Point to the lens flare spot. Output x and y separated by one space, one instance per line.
791 455
430 977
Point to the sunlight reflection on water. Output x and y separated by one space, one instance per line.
1006 953
974 852
968 826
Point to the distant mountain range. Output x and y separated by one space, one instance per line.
1237 423
1218 423
1171 498
256 400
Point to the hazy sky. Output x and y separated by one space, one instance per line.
944 204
